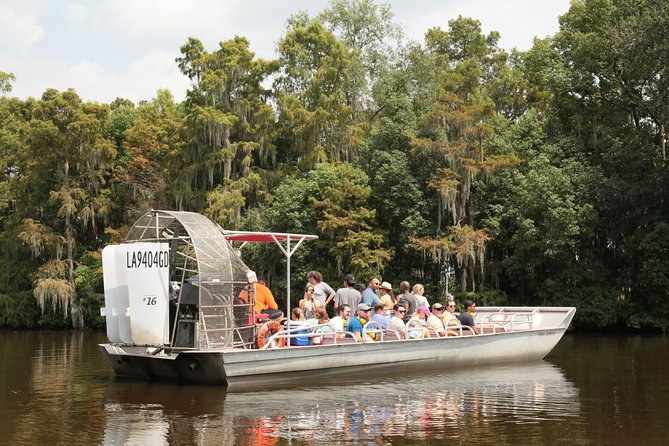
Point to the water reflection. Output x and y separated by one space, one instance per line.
467 405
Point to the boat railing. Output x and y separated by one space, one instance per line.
311 332
506 322
459 330
395 335
491 324
414 326
373 328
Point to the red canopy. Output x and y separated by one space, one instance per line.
265 237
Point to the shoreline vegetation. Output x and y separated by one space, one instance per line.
537 177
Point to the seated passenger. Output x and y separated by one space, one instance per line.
344 314
321 316
467 316
434 323
356 323
449 317
265 303
380 314
419 330
396 322
296 315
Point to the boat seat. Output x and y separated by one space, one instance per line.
390 336
328 340
496 329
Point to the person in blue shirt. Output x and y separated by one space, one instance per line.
356 323
380 314
369 296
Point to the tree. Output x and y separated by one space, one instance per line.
65 171
229 124
6 80
458 127
148 173
367 30
315 122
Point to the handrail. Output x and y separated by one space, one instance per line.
457 329
493 325
528 320
409 328
396 333
509 321
376 328
297 332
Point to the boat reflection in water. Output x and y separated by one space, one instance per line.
489 405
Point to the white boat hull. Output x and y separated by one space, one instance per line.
250 368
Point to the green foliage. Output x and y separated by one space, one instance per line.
541 176
18 310
488 298
6 80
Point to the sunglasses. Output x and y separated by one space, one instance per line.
401 311
310 291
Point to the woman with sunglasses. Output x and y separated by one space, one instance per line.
449 317
308 304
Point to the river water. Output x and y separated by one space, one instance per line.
591 390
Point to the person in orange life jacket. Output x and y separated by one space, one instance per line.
467 316
356 323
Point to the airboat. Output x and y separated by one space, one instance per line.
173 313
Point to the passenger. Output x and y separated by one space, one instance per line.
323 293
408 300
434 323
344 314
308 304
322 316
387 297
419 294
467 316
348 294
356 323
417 331
318 314
369 296
396 323
448 317
265 303
296 315
380 314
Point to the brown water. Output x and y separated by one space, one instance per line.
592 390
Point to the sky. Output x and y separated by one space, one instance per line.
106 49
